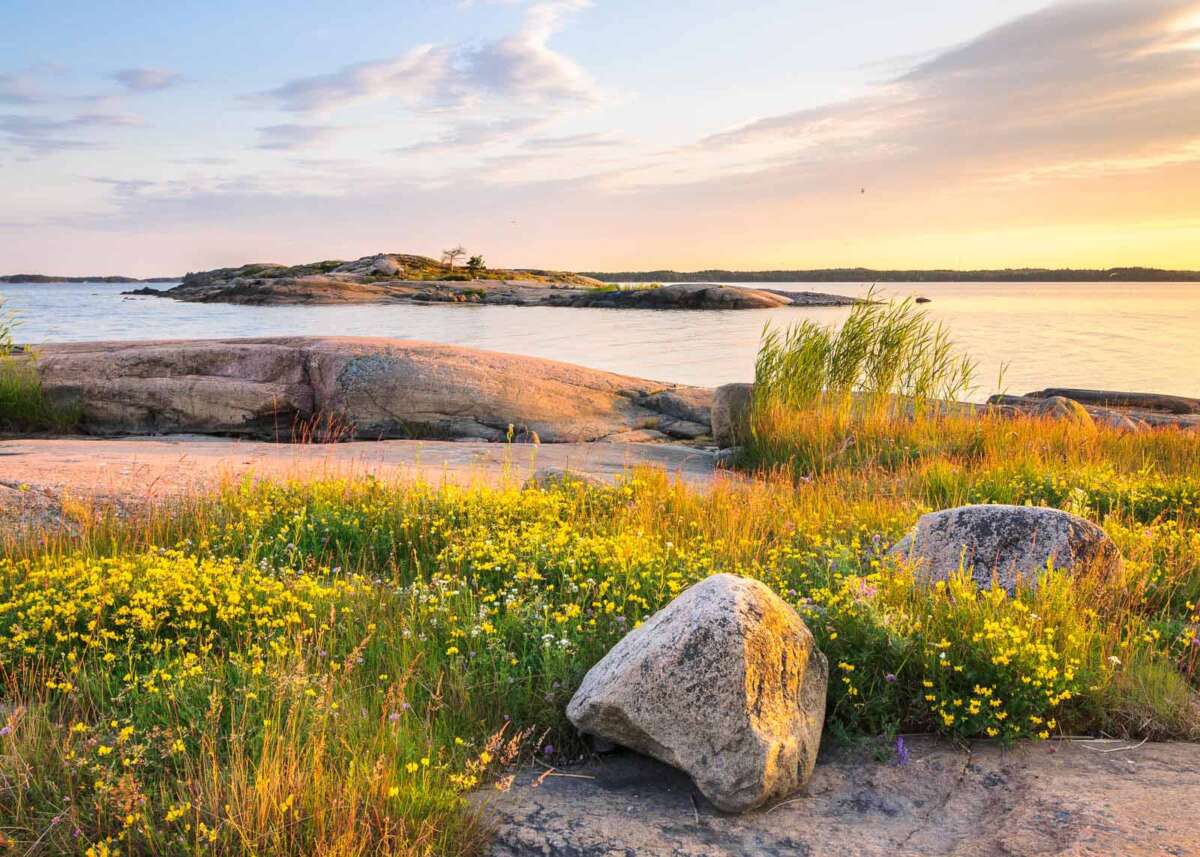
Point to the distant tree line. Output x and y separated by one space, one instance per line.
871 275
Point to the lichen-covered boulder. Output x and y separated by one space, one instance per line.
1006 543
725 683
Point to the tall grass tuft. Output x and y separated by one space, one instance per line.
889 352
7 323
888 364
23 403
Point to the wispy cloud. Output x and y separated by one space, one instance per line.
18 89
147 79
126 187
40 135
293 136
522 69
468 134
574 141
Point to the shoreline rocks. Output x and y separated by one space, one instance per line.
398 278
328 388
1005 543
725 683
1127 411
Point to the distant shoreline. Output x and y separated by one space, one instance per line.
819 275
48 279
814 275
867 275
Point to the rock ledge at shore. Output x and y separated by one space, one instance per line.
296 388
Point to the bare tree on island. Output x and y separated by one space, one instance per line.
449 257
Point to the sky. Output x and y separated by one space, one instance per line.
149 138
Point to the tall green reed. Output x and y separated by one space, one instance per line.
885 352
888 365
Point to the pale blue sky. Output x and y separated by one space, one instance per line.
155 137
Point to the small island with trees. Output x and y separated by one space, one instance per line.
404 278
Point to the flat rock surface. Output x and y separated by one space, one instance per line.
35 472
1050 798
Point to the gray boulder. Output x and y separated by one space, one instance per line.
731 414
1061 408
725 683
386 266
1005 542
1116 420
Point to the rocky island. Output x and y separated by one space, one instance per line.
401 278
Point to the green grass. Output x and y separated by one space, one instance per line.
285 657
23 404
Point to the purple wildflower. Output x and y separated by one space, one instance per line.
548 750
890 678
7 730
901 751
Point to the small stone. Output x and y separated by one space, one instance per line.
725 458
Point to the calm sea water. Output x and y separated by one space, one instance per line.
1131 336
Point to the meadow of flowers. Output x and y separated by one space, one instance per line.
329 668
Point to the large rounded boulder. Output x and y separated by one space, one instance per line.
725 683
1005 544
